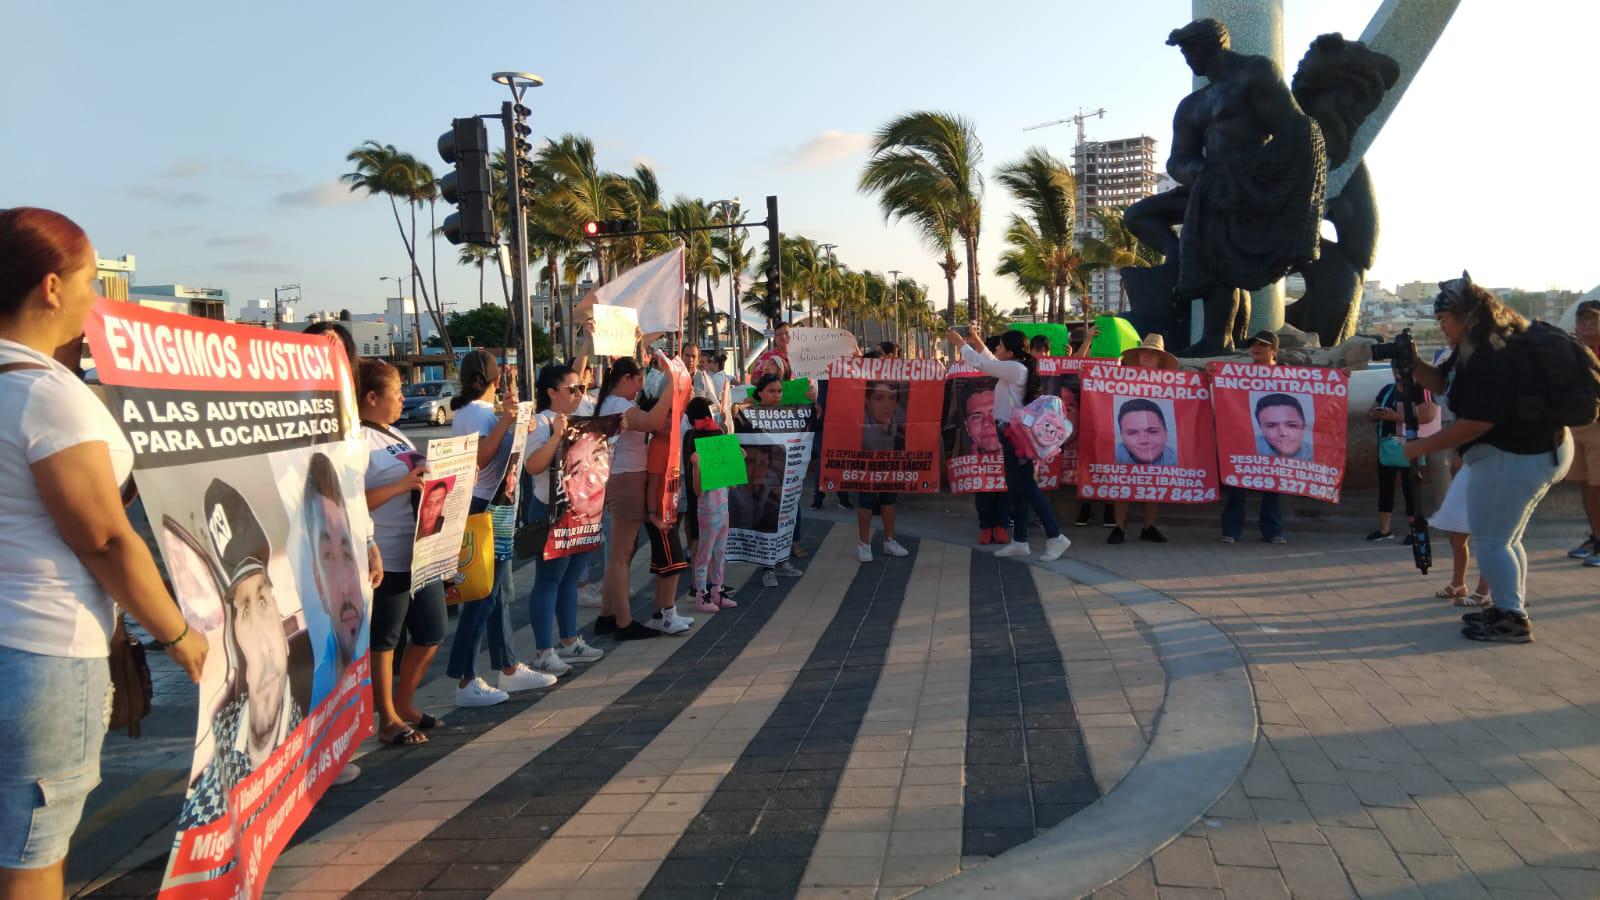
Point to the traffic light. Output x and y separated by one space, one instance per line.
774 252
609 228
466 145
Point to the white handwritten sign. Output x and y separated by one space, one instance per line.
812 349
616 330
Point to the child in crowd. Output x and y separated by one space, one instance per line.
711 507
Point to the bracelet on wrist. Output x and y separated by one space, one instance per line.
167 645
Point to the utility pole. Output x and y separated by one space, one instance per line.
277 302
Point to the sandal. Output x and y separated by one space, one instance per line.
1476 599
409 737
429 721
798 552
1451 592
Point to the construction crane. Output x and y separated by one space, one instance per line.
1080 118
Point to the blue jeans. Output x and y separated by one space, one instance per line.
53 712
555 591
1505 489
594 563
1233 513
1024 493
490 617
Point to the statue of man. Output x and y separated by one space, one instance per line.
1250 168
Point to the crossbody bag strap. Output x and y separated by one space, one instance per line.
21 367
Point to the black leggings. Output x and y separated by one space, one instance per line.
1408 486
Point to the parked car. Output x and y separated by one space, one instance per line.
429 401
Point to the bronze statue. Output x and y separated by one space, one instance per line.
1251 170
1339 83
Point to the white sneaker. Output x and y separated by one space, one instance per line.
524 679
478 693
349 773
787 570
590 596
1054 547
893 548
1015 548
579 652
549 663
769 578
668 622
864 552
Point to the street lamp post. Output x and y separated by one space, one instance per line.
416 318
511 113
822 250
895 302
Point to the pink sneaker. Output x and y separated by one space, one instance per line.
716 597
707 604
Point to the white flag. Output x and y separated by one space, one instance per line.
654 289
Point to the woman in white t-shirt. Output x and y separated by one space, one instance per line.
625 492
488 617
68 554
396 471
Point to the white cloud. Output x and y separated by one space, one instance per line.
326 193
251 267
185 167
168 196
239 240
828 148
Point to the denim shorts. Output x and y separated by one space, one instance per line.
53 714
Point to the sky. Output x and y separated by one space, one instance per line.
210 136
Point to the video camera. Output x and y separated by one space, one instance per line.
1400 352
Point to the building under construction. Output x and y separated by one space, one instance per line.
1111 174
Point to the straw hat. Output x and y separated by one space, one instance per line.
1150 354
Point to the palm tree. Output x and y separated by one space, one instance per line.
1021 263
478 255
1044 187
1116 248
384 169
579 191
924 167
733 259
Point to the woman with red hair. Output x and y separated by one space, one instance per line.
68 554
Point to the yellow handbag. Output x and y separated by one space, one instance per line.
476 578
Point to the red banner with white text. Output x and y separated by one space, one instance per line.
250 467
881 428
971 436
1280 428
1147 435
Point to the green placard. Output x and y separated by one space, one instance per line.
721 462
1116 335
796 392
1060 337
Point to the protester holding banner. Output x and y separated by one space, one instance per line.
553 601
488 617
625 491
396 471
769 393
70 554
1017 383
1284 418
1145 435
883 427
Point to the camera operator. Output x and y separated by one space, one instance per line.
1512 461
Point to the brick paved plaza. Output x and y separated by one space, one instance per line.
1189 720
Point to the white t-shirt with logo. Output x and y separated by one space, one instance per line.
537 438
390 457
49 602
